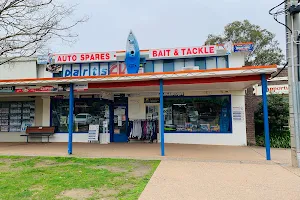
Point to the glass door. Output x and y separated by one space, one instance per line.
120 123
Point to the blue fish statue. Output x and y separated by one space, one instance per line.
132 58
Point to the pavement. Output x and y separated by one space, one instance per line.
193 171
226 179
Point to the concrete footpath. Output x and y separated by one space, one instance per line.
220 179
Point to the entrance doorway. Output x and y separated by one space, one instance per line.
120 124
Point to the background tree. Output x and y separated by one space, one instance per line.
266 47
27 26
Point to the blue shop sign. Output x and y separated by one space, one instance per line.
93 69
243 47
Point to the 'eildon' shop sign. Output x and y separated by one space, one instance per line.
85 57
183 52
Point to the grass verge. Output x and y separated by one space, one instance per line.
73 178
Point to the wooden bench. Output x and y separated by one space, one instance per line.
39 132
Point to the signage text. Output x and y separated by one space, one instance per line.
183 52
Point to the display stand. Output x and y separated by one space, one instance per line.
104 136
93 133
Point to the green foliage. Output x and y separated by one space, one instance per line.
47 178
278 109
266 47
281 140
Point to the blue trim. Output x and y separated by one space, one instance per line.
108 68
162 120
73 133
227 61
266 115
71 107
217 57
99 68
152 65
80 69
120 137
197 132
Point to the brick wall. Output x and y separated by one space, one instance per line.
251 106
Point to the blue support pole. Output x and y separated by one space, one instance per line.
264 84
71 108
162 120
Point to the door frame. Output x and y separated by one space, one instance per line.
112 119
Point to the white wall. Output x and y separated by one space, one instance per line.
236 60
136 108
42 73
18 70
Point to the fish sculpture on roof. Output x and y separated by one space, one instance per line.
132 57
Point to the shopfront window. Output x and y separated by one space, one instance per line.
16 116
168 66
198 114
149 67
86 112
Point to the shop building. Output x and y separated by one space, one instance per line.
195 95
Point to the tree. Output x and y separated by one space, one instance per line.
27 26
278 109
266 47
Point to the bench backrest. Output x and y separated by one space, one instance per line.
40 129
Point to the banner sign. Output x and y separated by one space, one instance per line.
85 57
48 88
272 89
243 47
151 100
76 88
42 59
182 52
7 89
156 94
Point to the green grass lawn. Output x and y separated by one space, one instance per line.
73 178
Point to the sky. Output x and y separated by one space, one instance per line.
162 23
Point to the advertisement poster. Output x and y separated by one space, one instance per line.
93 133
45 88
77 87
7 89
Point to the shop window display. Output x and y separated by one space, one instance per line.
16 116
198 114
86 112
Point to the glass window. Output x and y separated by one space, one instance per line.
200 62
168 65
86 112
149 67
16 116
211 63
198 114
222 62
